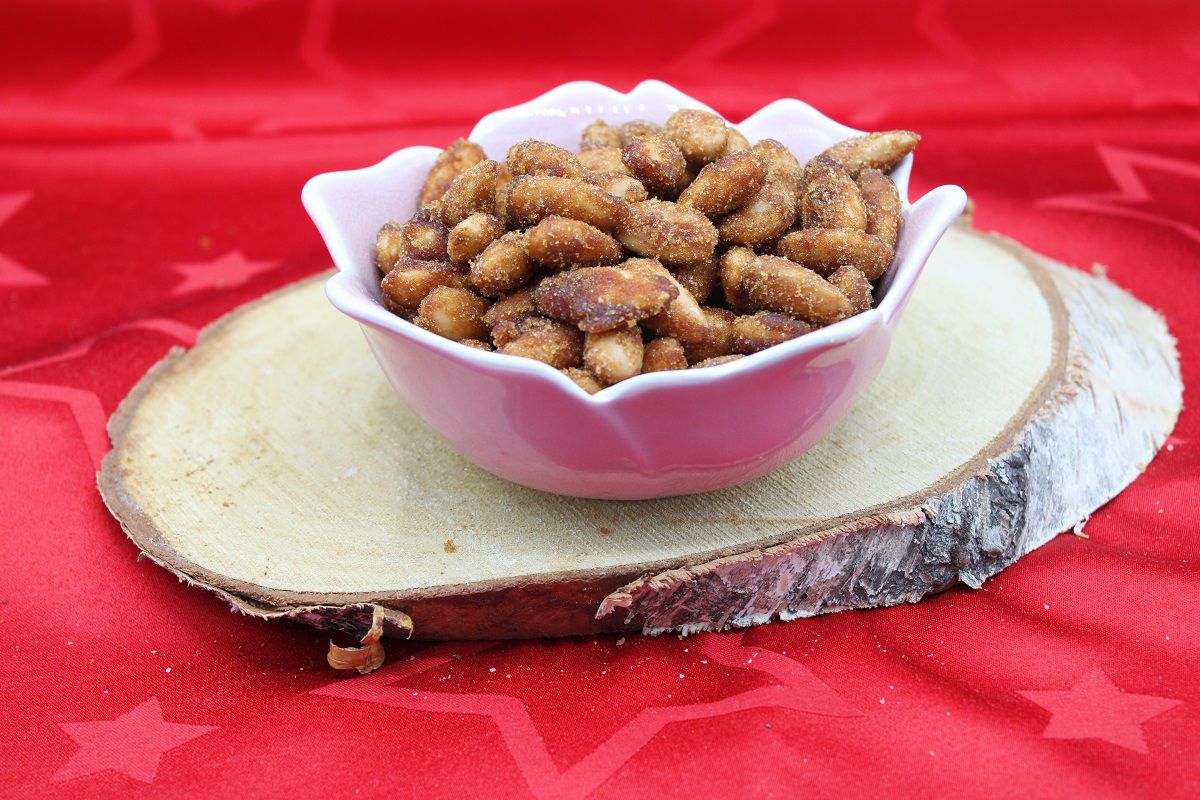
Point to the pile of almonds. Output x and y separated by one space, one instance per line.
654 248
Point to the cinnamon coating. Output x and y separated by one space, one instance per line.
545 340
454 313
389 246
669 232
612 356
717 361
700 135
511 307
532 198
883 206
852 283
561 243
603 298
637 129
410 280
824 249
425 237
532 157
619 184
726 184
456 159
765 329
766 217
472 236
733 271
583 379
473 190
597 135
504 265
777 284
603 159
662 355
831 197
881 150
699 278
735 142
657 163
531 255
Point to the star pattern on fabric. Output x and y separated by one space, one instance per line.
144 43
85 405
793 687
1133 198
13 273
1094 708
231 269
132 744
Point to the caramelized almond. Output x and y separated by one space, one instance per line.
603 298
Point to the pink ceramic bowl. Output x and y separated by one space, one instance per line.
667 433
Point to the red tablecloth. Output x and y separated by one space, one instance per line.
151 159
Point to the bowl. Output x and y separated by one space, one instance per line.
655 435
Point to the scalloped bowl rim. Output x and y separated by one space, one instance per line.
371 312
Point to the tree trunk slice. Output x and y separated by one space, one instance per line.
272 465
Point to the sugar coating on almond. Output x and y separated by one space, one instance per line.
603 298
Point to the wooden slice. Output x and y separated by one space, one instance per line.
273 465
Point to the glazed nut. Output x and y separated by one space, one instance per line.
682 318
473 190
404 312
389 246
777 284
717 361
726 184
824 249
453 313
425 237
472 236
637 129
765 329
478 344
410 280
602 159
561 243
599 134
882 201
503 265
699 278
532 198
831 197
669 232
511 307
603 298
700 135
881 150
504 178
657 163
532 157
661 355
583 379
735 142
782 165
619 184
612 356
733 271
852 283
456 159
715 336
767 216
542 339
